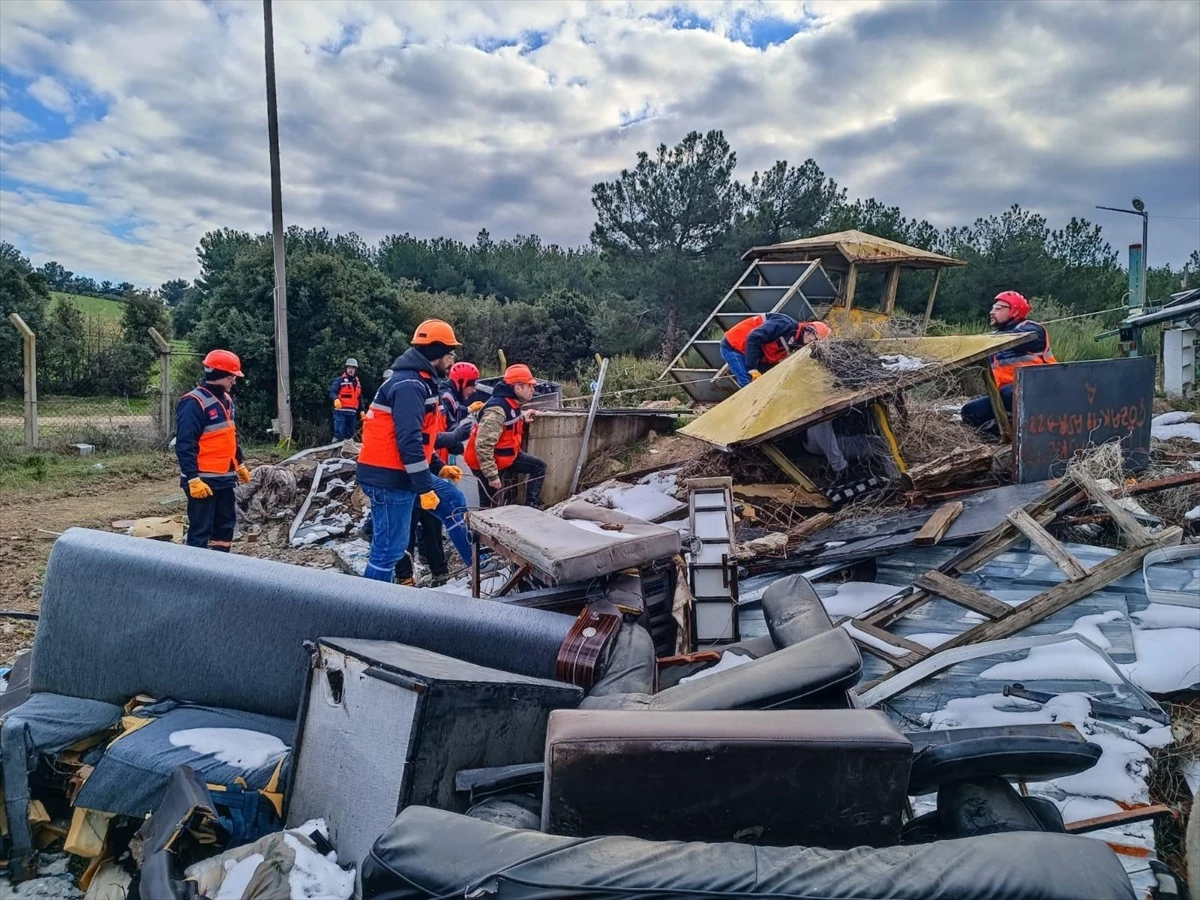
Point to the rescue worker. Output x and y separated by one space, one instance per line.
210 458
397 467
346 394
495 445
458 408
1009 315
761 342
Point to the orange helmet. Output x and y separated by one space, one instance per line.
434 331
819 331
224 361
519 374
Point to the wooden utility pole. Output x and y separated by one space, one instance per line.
29 348
283 391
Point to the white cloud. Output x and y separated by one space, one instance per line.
444 118
12 123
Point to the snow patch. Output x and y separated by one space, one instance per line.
1193 514
1119 775
727 661
930 639
1168 659
237 747
854 597
989 710
1188 431
1167 615
1171 418
1068 661
872 641
315 877
237 877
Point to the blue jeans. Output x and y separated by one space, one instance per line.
737 365
344 421
450 510
978 413
391 521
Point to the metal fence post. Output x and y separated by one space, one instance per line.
166 418
29 341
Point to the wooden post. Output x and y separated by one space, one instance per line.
993 392
587 429
889 291
937 279
283 377
166 417
503 361
848 286
29 344
889 436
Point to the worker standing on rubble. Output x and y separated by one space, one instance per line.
346 394
458 409
397 467
1009 315
210 458
495 445
759 343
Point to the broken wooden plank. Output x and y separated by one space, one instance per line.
810 526
962 594
1048 544
999 410
788 494
1134 533
1051 601
792 471
956 467
514 579
1124 817
939 523
918 650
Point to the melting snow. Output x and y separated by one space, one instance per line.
1187 430
727 661
1119 774
989 710
237 877
1168 659
316 877
1192 514
1171 418
1167 615
873 641
237 747
930 638
854 597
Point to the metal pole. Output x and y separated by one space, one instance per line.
587 429
29 345
283 399
1145 256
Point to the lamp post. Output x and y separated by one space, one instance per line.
1139 209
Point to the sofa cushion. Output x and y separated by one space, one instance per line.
228 630
793 611
219 745
431 853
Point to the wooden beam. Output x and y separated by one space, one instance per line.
849 285
1130 527
513 580
1124 817
1051 601
790 469
998 410
1047 543
889 436
918 650
889 290
937 279
956 592
939 523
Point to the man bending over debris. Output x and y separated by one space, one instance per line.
759 343
210 458
495 444
397 467
1009 315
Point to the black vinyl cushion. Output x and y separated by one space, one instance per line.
793 610
432 853
1012 752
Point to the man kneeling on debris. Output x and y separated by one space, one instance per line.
759 343
210 458
397 467
495 444
1009 315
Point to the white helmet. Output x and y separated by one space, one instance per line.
352 363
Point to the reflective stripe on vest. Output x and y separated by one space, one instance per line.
379 433
773 352
217 454
509 443
349 392
1005 371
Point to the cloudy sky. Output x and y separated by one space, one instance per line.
128 129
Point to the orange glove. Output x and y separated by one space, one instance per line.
475 407
337 404
243 473
198 490
451 473
430 500
755 374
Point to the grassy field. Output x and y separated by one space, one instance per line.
92 306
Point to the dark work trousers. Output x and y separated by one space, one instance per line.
345 423
211 520
426 534
524 464
980 415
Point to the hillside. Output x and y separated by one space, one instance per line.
91 306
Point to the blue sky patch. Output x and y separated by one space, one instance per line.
769 30
49 125
75 198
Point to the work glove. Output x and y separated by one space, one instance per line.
430 500
198 490
475 407
337 404
755 374
451 473
243 473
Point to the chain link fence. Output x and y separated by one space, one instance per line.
97 395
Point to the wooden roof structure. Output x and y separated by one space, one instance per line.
854 248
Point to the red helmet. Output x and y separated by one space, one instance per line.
462 374
1016 303
224 361
819 331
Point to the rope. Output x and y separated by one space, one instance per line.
1099 312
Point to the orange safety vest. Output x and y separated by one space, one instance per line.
379 430
1005 370
350 392
774 352
509 444
218 442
